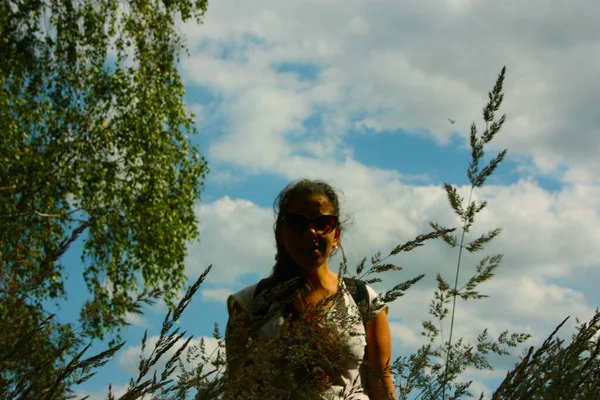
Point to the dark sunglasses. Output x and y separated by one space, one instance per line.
322 224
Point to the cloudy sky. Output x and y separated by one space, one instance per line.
359 93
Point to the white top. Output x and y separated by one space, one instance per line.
351 378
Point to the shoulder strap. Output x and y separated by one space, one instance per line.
363 294
359 292
262 285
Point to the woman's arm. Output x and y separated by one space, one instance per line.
379 354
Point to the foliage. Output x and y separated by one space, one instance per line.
555 371
94 148
171 338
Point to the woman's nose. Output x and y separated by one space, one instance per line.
310 232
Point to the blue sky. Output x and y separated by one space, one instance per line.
361 96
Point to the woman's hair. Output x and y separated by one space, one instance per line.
285 268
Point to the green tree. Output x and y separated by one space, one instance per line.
95 145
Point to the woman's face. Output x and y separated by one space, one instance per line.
308 247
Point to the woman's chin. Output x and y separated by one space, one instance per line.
311 260
314 263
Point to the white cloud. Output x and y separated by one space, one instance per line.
262 115
359 26
219 295
409 66
404 336
530 299
236 238
136 320
480 376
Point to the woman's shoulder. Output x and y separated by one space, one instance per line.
243 297
375 303
372 293
364 291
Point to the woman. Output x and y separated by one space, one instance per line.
314 336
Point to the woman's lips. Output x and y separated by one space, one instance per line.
315 249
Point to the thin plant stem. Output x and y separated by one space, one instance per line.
460 249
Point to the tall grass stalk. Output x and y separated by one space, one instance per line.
477 178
